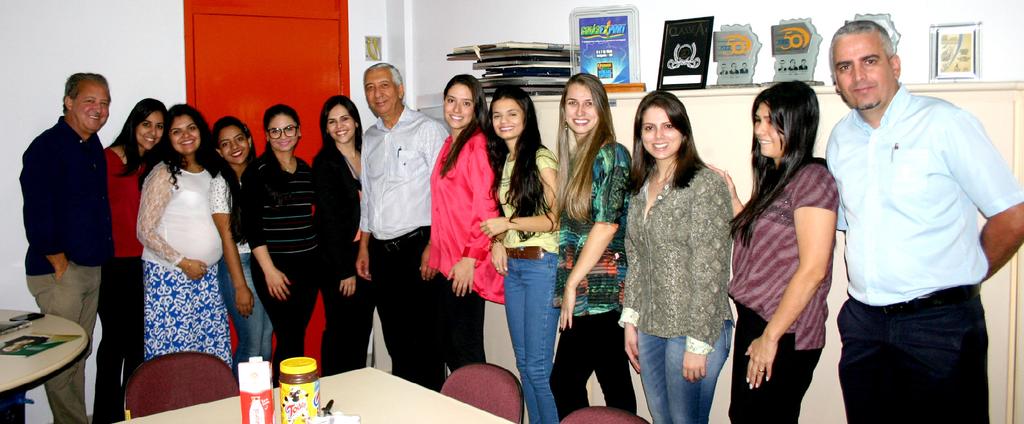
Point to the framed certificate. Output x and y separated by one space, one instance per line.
685 54
955 52
606 39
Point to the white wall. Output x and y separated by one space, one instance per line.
444 24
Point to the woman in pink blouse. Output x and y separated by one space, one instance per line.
461 198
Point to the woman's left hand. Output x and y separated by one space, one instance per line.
347 287
462 276
762 354
499 258
694 366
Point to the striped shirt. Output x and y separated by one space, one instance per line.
277 207
762 269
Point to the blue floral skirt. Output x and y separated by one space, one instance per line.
184 315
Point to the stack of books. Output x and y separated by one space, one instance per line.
537 68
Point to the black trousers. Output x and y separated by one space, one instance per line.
121 350
462 326
347 327
290 317
408 308
927 366
594 344
777 400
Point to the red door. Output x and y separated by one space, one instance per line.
244 56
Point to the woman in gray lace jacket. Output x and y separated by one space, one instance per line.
675 310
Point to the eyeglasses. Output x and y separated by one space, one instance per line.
288 131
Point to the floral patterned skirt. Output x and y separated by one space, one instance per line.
184 315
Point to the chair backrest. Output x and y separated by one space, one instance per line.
488 387
602 415
177 380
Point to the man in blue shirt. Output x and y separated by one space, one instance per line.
67 224
912 174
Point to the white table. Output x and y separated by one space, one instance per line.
376 396
19 371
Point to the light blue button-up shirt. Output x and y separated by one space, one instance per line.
909 195
396 174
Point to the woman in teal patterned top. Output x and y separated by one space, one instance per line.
593 181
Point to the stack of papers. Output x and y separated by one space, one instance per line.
539 68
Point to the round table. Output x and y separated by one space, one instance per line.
20 371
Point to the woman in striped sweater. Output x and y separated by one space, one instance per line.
277 219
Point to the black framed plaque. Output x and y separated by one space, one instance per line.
685 54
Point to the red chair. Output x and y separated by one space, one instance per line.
602 415
177 380
488 387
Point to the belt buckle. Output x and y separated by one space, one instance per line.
391 246
897 308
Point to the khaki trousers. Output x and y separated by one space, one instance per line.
74 297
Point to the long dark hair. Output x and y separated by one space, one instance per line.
794 114
575 171
126 139
328 149
230 177
206 154
526 190
687 161
480 118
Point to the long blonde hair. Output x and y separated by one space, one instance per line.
575 173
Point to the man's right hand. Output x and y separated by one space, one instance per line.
59 262
363 262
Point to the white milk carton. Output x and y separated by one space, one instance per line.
256 391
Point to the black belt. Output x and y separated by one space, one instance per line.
395 244
950 296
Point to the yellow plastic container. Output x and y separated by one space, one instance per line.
300 390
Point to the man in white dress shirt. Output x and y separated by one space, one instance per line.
399 152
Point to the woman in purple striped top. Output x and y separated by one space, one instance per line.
782 259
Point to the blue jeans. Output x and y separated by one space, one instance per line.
255 332
670 397
529 289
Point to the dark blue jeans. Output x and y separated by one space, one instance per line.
922 366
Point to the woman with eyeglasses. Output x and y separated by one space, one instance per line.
121 289
181 246
252 325
277 218
348 299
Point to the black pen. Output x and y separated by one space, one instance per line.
892 153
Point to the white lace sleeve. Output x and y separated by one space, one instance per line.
156 194
220 196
